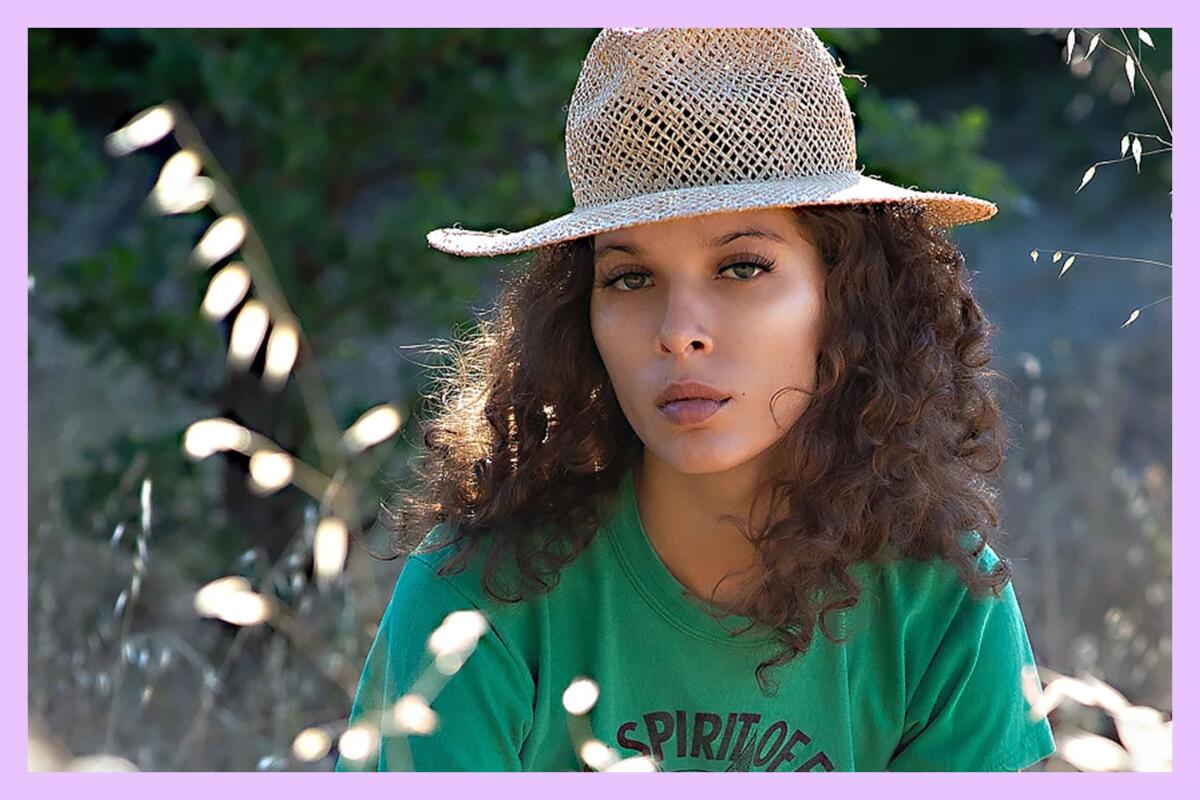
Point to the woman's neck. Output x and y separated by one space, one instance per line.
681 514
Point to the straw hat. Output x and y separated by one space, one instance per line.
677 122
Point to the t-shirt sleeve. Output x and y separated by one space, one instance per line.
968 712
484 710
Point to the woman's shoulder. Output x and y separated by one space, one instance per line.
444 561
931 590
466 562
922 574
443 574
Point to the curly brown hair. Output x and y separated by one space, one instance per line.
528 444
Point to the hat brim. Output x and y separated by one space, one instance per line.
943 210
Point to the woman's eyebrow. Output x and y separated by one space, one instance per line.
757 233
716 241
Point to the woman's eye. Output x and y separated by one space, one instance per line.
745 266
626 276
745 272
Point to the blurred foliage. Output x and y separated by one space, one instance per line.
91 506
119 300
898 144
971 78
918 152
310 126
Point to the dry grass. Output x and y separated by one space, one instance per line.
1131 143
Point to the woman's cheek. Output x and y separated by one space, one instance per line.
609 345
600 329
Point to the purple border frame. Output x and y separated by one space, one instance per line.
376 13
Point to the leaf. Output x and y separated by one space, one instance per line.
1124 145
1033 254
1145 37
1087 176
1129 71
1136 312
1137 153
1070 44
1066 265
1057 256
1092 46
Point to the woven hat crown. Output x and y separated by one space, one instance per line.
667 123
667 108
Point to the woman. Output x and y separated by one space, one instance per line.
719 455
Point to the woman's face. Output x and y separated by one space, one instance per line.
691 300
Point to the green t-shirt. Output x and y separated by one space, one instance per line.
929 679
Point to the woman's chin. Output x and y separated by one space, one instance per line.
696 457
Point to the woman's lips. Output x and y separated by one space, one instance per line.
691 412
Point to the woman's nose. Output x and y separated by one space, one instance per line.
684 324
